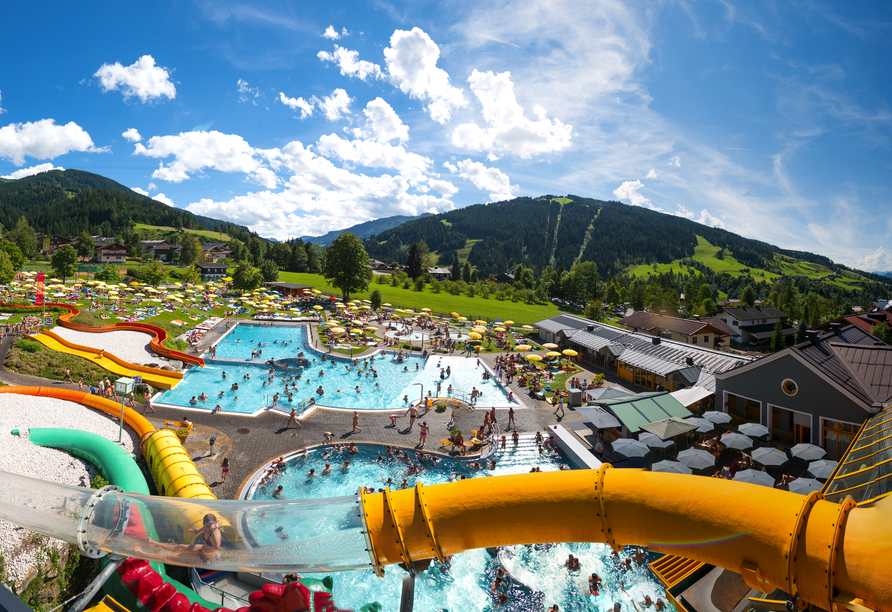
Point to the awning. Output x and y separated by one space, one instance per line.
606 393
669 428
691 395
599 417
644 408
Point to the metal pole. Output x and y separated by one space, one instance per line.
407 600
121 422
98 581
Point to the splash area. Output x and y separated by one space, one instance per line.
537 577
384 382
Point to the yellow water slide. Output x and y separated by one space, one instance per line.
824 553
160 379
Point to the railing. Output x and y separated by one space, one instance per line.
223 594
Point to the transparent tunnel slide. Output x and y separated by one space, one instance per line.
282 536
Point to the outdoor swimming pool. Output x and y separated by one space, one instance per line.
395 381
539 569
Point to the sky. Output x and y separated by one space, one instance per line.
770 119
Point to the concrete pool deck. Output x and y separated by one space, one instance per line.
251 442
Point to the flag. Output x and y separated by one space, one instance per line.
38 301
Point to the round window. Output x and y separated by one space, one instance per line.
789 387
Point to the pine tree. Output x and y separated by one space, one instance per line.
455 274
414 266
777 339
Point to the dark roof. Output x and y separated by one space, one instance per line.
862 368
763 331
650 320
639 349
111 245
750 313
207 246
214 266
720 325
864 321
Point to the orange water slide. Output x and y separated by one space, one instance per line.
138 422
158 334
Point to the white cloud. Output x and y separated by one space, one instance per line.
163 199
383 124
451 167
704 219
509 130
332 34
487 179
336 105
319 196
306 108
42 140
194 151
140 191
629 191
652 174
374 154
675 161
350 64
443 187
878 261
152 187
132 135
142 79
32 171
246 92
412 66
2 110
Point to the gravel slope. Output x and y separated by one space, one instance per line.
128 345
19 455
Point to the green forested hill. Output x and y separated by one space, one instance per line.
70 201
560 231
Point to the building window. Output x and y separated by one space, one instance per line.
705 339
836 436
734 323
743 410
790 387
694 340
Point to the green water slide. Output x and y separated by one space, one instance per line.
118 467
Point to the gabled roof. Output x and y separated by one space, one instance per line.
114 246
751 313
665 356
644 408
764 331
207 246
213 265
720 325
649 320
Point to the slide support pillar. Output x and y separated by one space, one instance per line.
114 562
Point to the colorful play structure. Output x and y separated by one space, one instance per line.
823 554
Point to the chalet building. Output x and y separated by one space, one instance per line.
290 289
50 242
754 324
374 264
167 252
211 271
705 332
111 252
440 273
505 277
819 391
212 252
880 305
642 359
865 321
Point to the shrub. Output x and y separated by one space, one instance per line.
441 407
406 284
419 284
29 346
97 482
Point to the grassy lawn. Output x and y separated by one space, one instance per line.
32 358
163 229
440 303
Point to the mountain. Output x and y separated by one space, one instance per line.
889 274
561 231
67 202
364 230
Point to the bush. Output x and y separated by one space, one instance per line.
441 407
406 284
29 346
97 482
419 284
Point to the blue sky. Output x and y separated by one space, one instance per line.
770 119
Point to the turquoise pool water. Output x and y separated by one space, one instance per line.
276 342
542 578
338 377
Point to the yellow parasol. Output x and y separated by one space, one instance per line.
475 336
550 345
527 327
552 354
570 353
386 304
509 323
409 311
425 309
522 347
454 314
480 329
533 357
317 307
338 330
499 329
371 329
480 322
462 318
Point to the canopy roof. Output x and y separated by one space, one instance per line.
644 408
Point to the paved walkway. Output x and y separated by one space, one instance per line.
249 442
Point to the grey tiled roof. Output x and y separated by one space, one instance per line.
750 313
665 357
